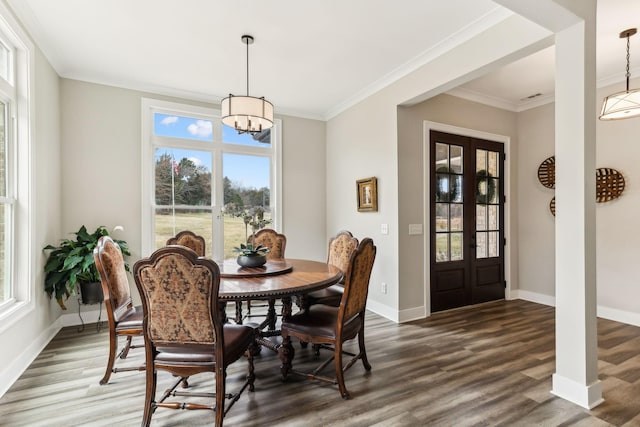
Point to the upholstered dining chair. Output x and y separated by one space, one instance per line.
185 332
331 326
124 319
189 239
276 243
341 247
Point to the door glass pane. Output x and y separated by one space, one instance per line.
493 217
442 247
493 163
442 156
455 193
456 159
442 187
175 126
481 160
481 217
456 217
456 246
494 190
481 245
493 244
442 217
260 139
247 198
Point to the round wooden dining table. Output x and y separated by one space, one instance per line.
276 279
281 279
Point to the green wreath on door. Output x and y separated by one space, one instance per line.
485 187
443 174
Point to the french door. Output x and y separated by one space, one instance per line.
467 221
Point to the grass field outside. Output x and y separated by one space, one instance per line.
201 224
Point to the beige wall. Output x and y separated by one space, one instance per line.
617 247
452 111
536 225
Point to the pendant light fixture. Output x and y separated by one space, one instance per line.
247 114
626 104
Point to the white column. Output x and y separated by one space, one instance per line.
576 376
574 24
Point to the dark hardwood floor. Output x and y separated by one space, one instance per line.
488 365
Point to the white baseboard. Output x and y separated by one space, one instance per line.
622 316
587 396
12 372
619 315
533 297
382 310
415 313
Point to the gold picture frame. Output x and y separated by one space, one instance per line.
367 190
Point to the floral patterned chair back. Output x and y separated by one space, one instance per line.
341 247
271 239
190 240
179 294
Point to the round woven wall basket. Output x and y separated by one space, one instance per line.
547 172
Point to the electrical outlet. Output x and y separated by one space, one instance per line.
383 288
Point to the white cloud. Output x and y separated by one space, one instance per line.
196 161
169 120
201 128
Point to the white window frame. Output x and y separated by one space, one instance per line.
17 94
150 142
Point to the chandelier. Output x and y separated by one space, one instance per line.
626 104
247 114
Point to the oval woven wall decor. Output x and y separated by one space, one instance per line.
547 172
609 184
552 206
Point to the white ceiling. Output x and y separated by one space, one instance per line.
310 58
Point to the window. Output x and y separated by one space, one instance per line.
16 260
200 175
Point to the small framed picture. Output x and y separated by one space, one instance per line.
367 194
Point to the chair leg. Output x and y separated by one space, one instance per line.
150 394
125 351
363 351
251 376
220 390
113 346
337 359
286 353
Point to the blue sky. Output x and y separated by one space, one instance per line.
249 171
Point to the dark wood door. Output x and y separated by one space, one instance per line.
467 221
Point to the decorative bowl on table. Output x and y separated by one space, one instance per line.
252 261
250 256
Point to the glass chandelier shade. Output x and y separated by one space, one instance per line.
625 104
247 114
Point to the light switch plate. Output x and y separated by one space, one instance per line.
415 229
384 228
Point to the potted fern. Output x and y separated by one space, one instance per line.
70 264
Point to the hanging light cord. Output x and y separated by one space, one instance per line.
247 43
628 60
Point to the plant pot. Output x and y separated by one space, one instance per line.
91 293
251 261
